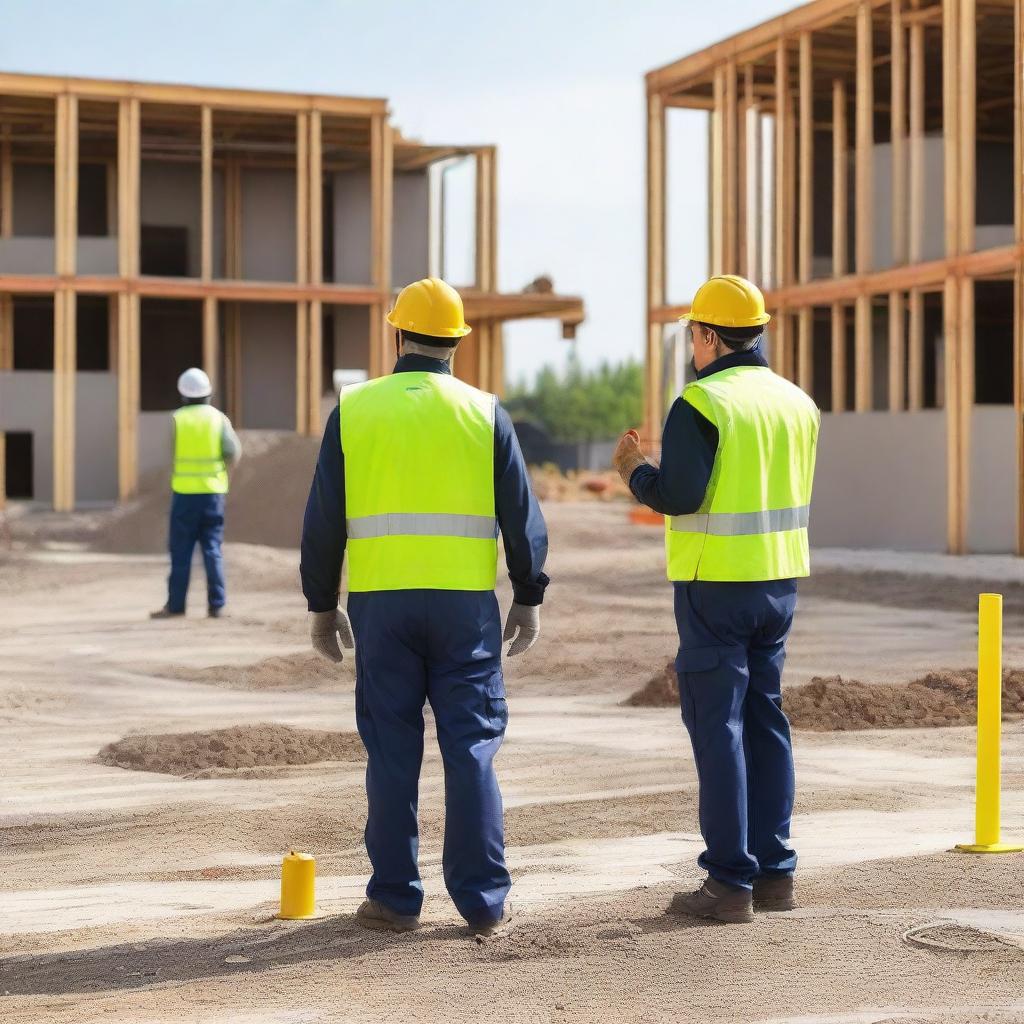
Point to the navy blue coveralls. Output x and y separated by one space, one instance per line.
732 645
441 646
199 519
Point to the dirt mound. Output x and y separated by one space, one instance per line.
286 672
265 504
947 697
660 691
189 754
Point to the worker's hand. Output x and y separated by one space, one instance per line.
522 627
628 455
326 628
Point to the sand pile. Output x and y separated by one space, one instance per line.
265 504
947 697
284 672
189 754
551 484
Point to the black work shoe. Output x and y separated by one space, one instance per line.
774 892
716 901
373 914
215 613
165 613
492 928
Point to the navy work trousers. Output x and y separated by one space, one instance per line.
196 519
444 647
732 645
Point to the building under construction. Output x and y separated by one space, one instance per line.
864 165
260 235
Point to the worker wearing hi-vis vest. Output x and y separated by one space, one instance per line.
417 474
204 446
734 484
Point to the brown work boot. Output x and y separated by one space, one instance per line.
373 914
717 901
165 613
774 892
493 928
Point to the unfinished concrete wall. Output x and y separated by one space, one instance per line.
33 200
268 225
933 243
411 245
219 255
268 366
26 404
349 348
351 338
881 481
95 437
156 440
992 515
170 197
352 227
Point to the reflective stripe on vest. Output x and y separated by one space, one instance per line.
752 524
199 466
422 524
419 484
742 524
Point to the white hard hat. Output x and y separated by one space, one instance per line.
193 383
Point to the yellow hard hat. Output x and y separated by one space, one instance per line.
728 301
430 307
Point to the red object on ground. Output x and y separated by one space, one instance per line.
642 516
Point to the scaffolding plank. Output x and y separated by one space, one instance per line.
838 381
898 121
806 172
897 350
655 188
863 175
840 178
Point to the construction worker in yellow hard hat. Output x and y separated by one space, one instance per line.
734 486
204 446
417 473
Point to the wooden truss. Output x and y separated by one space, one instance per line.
804 70
60 120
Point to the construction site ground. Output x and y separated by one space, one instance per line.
141 885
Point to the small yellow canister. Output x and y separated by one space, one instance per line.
298 886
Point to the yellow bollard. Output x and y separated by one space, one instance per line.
298 885
990 720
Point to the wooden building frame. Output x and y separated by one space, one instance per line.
307 133
838 67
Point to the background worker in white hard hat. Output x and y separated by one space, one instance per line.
417 473
205 445
734 485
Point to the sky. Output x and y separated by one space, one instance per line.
557 86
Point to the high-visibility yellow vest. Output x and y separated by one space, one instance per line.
199 466
752 523
419 484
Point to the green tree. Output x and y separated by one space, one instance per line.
581 404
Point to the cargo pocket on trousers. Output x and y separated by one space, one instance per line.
495 705
690 664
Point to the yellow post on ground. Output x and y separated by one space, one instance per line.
298 882
990 717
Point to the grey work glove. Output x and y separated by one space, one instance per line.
326 628
522 627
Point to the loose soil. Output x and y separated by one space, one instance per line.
947 697
264 506
282 672
240 746
140 897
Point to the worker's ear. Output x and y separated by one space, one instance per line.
398 344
